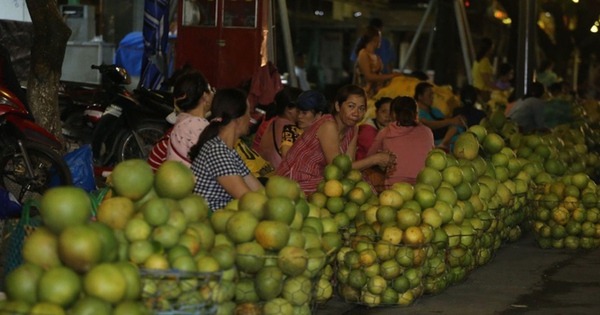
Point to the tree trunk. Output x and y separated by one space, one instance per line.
50 36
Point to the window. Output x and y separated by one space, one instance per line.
239 13
200 12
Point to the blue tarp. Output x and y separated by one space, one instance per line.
156 36
130 53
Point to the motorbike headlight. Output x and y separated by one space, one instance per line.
125 75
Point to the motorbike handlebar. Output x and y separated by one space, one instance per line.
95 67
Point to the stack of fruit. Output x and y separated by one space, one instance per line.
383 257
71 264
566 214
164 229
282 246
342 193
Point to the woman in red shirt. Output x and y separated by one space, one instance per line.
368 131
326 138
407 138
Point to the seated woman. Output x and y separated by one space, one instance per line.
407 138
368 130
329 136
221 174
311 106
284 104
368 69
285 113
193 97
444 129
468 98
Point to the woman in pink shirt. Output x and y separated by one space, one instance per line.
407 138
193 98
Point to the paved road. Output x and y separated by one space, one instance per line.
521 279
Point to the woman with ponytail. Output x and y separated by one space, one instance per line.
221 174
368 69
407 138
193 97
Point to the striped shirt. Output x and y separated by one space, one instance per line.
305 162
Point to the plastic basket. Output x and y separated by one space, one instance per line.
16 236
299 290
174 292
374 273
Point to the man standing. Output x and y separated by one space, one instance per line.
385 51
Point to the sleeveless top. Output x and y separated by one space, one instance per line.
305 162
376 66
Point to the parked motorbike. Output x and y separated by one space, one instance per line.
132 122
81 107
29 158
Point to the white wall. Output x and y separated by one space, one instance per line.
14 10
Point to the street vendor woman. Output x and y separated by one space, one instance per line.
329 136
221 174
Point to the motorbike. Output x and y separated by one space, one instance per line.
131 123
81 107
29 158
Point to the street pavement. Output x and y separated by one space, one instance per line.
521 279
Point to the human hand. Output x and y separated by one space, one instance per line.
385 159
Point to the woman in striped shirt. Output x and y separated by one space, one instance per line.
328 137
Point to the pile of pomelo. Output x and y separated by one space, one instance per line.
71 265
566 213
283 247
342 193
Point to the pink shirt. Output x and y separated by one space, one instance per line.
185 134
410 145
305 160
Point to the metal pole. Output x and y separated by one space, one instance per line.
470 46
460 22
287 42
271 37
413 43
526 47
432 32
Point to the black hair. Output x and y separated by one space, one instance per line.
368 35
189 89
486 45
227 105
419 74
284 99
344 92
376 23
382 101
556 87
405 109
420 89
468 95
535 89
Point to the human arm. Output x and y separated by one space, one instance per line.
365 69
382 159
436 124
235 185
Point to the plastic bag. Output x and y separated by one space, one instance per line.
80 163
9 206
